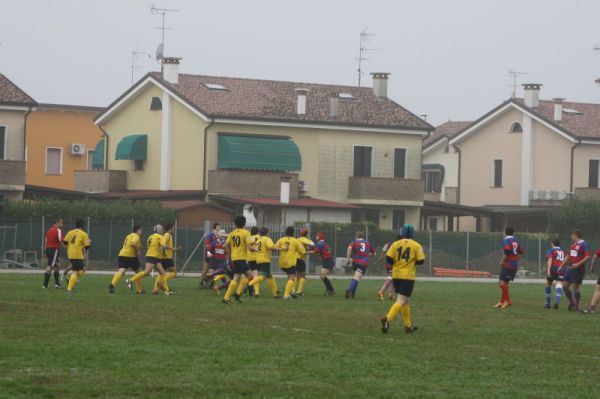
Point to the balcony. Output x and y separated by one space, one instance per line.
587 193
100 181
250 182
433 197
12 175
385 189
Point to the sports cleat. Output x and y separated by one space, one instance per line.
58 286
171 291
217 290
294 295
588 310
547 306
142 292
154 292
385 325
129 284
555 306
571 307
45 287
300 294
506 304
498 305
330 293
380 295
256 296
111 288
277 297
167 293
226 301
412 329
237 298
347 296
70 292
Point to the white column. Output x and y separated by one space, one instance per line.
165 144
526 159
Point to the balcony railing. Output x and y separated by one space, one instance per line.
250 182
12 173
382 188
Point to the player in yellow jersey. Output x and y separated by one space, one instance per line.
153 261
308 245
265 246
166 259
128 257
404 255
254 290
77 242
291 250
236 247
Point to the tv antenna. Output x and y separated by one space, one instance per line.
362 49
514 75
162 12
134 65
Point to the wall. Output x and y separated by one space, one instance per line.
552 160
100 181
583 154
15 133
250 182
195 217
58 128
436 155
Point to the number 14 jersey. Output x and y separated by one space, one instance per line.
405 254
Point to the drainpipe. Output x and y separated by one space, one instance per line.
572 183
25 133
457 148
105 155
205 174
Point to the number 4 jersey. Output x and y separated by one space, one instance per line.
405 254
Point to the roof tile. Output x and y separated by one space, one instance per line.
11 94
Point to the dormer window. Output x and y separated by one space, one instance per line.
155 104
215 86
516 128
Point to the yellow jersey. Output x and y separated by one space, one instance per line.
306 243
238 244
132 242
252 241
154 247
292 250
264 246
405 253
77 242
167 241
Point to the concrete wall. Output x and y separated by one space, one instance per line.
552 160
438 155
389 189
195 217
583 154
14 121
100 181
250 182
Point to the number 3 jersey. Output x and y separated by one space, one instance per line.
405 254
360 251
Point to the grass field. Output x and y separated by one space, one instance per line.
190 345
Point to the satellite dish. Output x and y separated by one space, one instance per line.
159 53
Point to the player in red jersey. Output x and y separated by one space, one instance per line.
555 272
327 262
206 267
53 242
509 265
575 263
358 251
591 308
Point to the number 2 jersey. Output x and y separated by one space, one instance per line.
513 251
405 254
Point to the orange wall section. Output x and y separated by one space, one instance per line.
59 126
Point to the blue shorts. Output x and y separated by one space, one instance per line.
575 276
358 267
328 264
507 275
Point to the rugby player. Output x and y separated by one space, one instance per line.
128 258
291 250
327 263
265 248
236 246
53 243
575 261
359 251
153 261
508 266
308 244
77 242
554 273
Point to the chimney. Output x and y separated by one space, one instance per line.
334 105
284 195
170 69
301 107
532 94
380 82
558 108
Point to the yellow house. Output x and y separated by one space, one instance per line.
238 138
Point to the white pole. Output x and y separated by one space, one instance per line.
175 243
468 248
43 236
430 252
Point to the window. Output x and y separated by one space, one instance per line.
432 224
593 173
516 128
215 86
432 180
54 161
346 96
90 159
138 164
365 215
398 219
497 173
400 162
2 142
362 161
155 104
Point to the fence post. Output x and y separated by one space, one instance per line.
89 235
468 248
539 254
30 233
367 231
335 240
430 252
175 242
43 237
110 234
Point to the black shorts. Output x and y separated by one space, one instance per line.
301 266
128 262
207 259
328 264
77 264
217 264
404 287
167 263
507 275
153 260
575 276
239 267
358 267
555 277
290 270
252 265
264 268
53 256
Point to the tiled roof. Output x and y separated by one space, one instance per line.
447 129
70 107
11 94
154 194
303 202
188 204
270 100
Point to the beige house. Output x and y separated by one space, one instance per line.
15 107
525 157
350 147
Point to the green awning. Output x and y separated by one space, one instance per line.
279 154
132 147
98 158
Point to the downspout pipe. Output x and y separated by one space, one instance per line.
29 110
572 178
105 155
205 162
457 148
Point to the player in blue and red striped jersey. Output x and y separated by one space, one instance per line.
591 308
575 262
327 262
359 251
509 265
555 272
206 269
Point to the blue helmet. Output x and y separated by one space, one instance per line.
407 231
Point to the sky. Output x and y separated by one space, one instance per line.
448 59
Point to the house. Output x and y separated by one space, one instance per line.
525 157
246 138
60 140
15 108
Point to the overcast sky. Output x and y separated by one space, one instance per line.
448 59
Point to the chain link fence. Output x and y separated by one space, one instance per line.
21 246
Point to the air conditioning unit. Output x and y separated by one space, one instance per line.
555 195
534 195
77 149
302 186
562 195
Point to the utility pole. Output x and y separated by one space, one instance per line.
364 39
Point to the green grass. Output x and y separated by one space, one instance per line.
190 345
